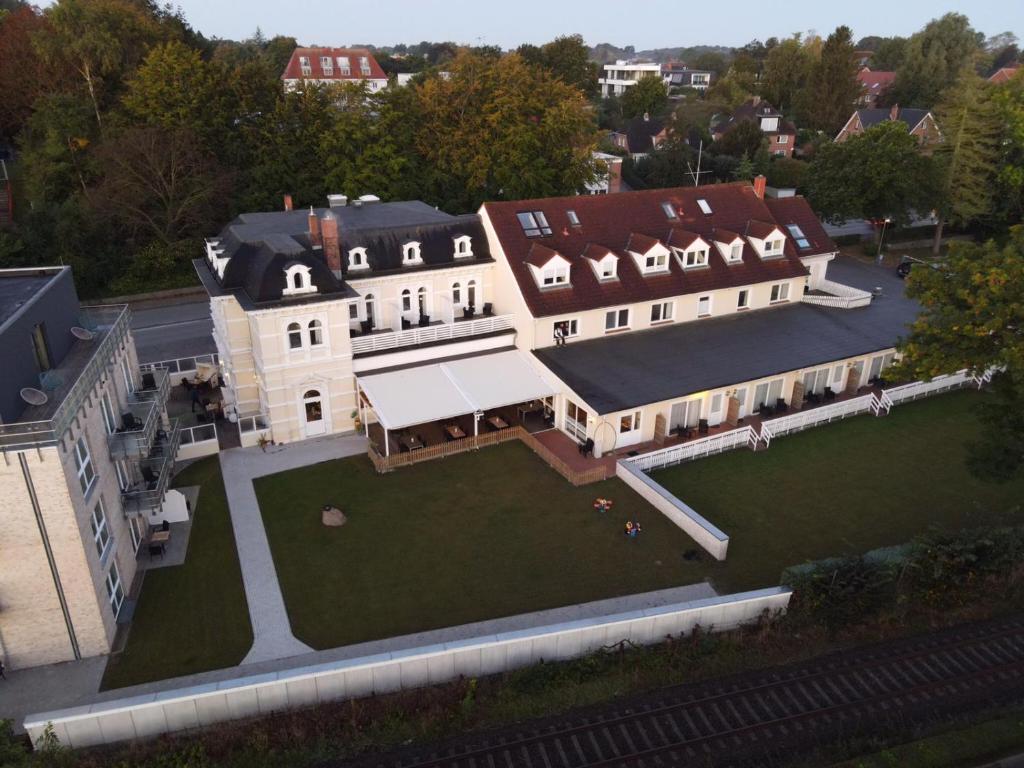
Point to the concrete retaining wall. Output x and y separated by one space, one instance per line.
713 540
178 710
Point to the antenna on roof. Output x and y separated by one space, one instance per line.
695 175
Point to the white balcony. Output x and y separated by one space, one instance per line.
381 341
832 294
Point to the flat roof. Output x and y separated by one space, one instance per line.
19 286
635 369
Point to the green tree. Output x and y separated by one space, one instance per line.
730 91
967 158
568 59
56 161
786 72
877 174
102 39
648 96
934 58
1008 99
833 86
889 54
499 129
972 317
743 139
715 63
787 172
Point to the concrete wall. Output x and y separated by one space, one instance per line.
714 541
153 714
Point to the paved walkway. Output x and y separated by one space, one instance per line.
272 632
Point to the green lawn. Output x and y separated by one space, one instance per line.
193 617
480 535
844 488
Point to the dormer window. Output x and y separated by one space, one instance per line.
606 268
344 66
656 262
463 247
772 247
364 65
297 280
697 257
327 66
357 259
411 253
670 212
534 223
554 273
304 66
736 252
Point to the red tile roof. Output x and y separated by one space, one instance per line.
595 252
540 255
294 69
875 82
613 221
681 238
1003 75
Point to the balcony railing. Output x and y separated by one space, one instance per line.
379 342
71 382
155 386
134 438
182 366
840 296
147 495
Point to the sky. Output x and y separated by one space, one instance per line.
643 24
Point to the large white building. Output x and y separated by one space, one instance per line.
622 75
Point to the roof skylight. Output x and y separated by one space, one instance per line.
798 235
704 206
670 212
534 223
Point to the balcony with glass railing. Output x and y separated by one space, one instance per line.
147 493
133 439
155 386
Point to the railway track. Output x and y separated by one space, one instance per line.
745 717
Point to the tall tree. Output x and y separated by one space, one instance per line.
934 58
742 140
786 71
878 174
24 75
967 158
568 59
973 318
1009 100
102 39
889 54
648 96
833 85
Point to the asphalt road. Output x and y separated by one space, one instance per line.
172 330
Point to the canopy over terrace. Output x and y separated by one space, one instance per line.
425 393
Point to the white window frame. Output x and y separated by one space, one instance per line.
84 469
695 258
357 259
572 327
616 316
665 311
305 66
553 274
411 253
305 280
782 138
606 268
101 535
735 252
289 330
327 65
463 247
633 419
315 330
124 478
107 408
700 300
780 293
405 299
743 299
126 374
115 590
774 247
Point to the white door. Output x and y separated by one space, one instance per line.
741 396
629 430
685 414
312 409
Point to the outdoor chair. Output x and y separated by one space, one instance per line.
829 394
767 410
813 398
406 325
165 526
129 422
149 477
488 309
366 326
587 448
424 321
148 381
186 383
156 549
780 405
468 312
702 426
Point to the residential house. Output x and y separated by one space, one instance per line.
1004 74
640 135
87 452
623 75
333 65
304 303
678 75
682 307
610 180
874 85
780 133
919 122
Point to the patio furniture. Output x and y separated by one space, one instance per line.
587 447
148 476
156 549
468 312
702 426
488 309
781 406
366 326
186 383
526 408
129 422
767 410
496 422
424 321
813 398
148 381
454 432
165 526
406 325
829 394
411 442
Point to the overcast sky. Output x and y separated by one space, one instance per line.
644 24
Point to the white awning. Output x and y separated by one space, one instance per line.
455 388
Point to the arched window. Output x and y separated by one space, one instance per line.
310 394
471 293
421 299
316 333
357 259
411 253
294 336
406 300
297 280
456 293
463 247
368 303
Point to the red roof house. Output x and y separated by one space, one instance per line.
334 65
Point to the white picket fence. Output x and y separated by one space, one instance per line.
842 296
800 420
916 389
696 449
375 342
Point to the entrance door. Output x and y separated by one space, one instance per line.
313 413
741 397
629 430
855 373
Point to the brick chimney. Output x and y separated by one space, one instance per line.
315 238
760 182
894 111
332 247
287 202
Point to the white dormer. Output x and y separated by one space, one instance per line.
605 267
357 259
767 240
731 249
650 255
463 246
693 255
297 280
411 253
550 272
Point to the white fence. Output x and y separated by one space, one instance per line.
812 417
182 366
153 714
842 296
914 390
198 441
710 538
696 449
376 342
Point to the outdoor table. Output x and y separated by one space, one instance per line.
160 537
497 422
411 443
528 408
454 432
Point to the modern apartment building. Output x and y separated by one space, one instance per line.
86 454
623 75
